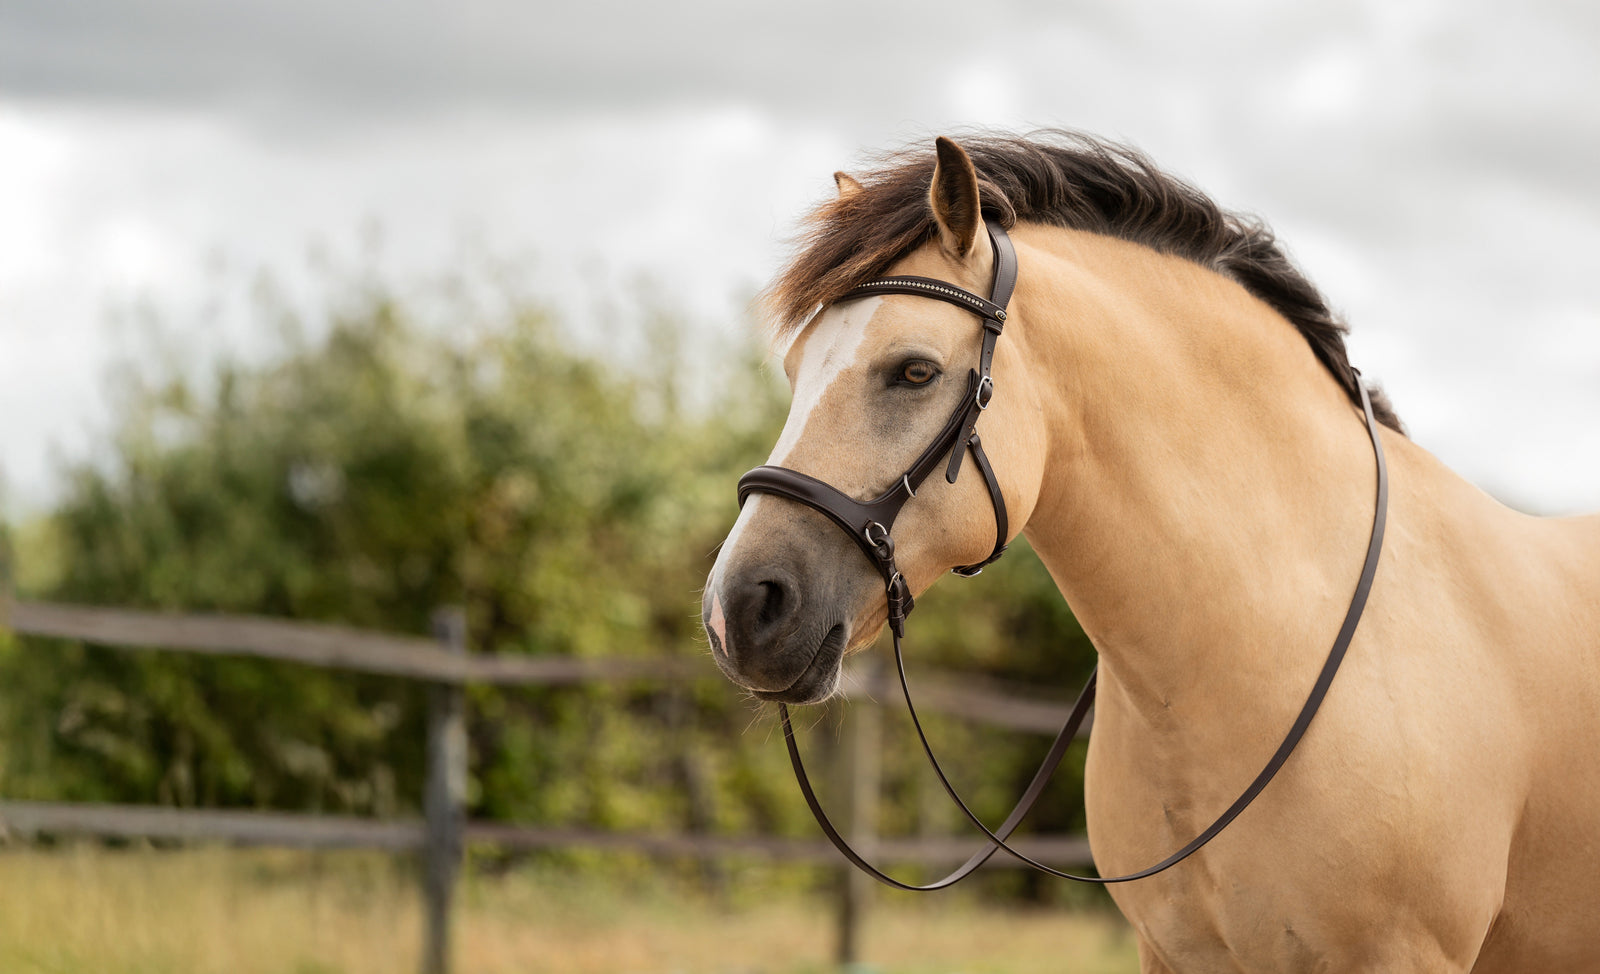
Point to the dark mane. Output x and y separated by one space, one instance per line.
1065 179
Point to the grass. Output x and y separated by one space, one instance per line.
89 909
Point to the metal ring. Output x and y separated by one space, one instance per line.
985 392
866 532
905 478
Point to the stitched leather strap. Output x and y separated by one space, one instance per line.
928 287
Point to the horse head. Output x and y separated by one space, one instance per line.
876 379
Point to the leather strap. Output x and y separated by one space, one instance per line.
1035 788
997 837
1002 525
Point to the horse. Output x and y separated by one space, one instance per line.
1174 424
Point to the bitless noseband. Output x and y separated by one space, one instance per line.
871 523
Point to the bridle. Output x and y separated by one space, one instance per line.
870 524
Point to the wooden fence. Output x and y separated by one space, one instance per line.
441 835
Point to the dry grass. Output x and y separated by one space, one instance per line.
86 909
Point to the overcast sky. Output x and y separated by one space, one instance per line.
1430 164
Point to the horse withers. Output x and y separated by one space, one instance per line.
1174 423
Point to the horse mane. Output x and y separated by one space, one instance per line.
1066 179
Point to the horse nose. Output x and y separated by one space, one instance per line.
756 613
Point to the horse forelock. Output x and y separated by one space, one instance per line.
1061 178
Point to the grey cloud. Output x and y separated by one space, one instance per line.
1438 155
405 56
1437 86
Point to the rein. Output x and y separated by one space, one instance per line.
870 524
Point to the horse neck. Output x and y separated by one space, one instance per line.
1209 486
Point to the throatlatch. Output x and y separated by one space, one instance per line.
870 524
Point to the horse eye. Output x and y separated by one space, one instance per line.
917 373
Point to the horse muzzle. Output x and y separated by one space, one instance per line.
770 638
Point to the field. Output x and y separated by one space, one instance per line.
87 909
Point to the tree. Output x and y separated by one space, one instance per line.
367 478
569 501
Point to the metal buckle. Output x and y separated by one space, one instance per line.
985 393
973 571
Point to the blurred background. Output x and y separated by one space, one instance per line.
344 313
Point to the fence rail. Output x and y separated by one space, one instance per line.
331 647
443 833
288 830
357 650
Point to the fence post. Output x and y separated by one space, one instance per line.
863 767
444 798
7 578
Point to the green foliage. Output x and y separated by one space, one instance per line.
569 501
368 478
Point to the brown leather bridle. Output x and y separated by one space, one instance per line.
870 524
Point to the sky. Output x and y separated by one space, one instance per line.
1430 165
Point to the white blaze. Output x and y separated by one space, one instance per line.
833 340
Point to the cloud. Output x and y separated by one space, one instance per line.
362 57
1429 162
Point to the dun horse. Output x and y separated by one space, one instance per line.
1173 422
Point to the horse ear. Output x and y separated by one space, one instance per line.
954 198
848 187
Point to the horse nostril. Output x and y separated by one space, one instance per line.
772 603
759 612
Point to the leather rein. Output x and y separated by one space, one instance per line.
870 523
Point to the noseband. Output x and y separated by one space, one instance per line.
870 523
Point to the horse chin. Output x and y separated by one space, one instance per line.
821 678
